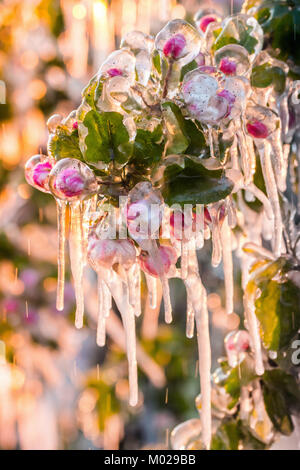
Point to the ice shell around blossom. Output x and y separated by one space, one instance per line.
123 60
261 121
171 37
70 179
107 253
200 93
37 171
233 59
138 41
168 258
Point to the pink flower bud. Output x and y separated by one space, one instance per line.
107 253
114 72
37 172
40 174
168 258
75 125
257 129
174 46
237 341
70 182
205 21
227 66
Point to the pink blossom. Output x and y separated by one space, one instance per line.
227 66
114 72
40 174
204 22
168 258
257 129
70 182
174 46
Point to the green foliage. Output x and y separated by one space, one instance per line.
223 38
265 75
281 392
177 139
278 311
62 144
194 184
280 21
107 138
148 147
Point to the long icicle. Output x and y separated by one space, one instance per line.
61 228
253 328
152 290
101 333
264 153
198 297
227 264
190 319
75 242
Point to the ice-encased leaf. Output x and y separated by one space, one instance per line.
278 311
106 138
148 147
194 184
64 145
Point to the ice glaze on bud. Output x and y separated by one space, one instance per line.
204 22
71 179
107 253
168 258
174 47
227 66
75 125
237 343
257 129
37 172
179 41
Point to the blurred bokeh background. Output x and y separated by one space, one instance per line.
58 390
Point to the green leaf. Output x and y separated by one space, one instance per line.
148 147
194 184
197 145
240 376
107 138
188 68
177 140
278 311
227 436
259 182
64 145
264 75
281 392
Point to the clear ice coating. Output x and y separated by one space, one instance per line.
219 94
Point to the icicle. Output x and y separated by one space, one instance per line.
151 315
154 253
211 141
75 242
264 153
190 319
245 406
231 212
152 290
246 164
61 226
280 168
227 264
253 328
260 195
184 258
167 299
101 315
197 296
216 244
120 292
134 286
